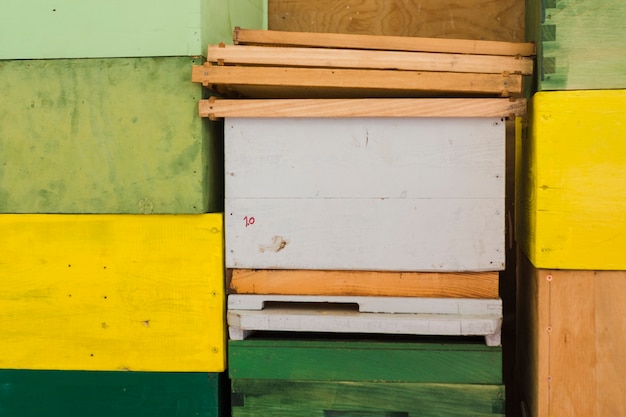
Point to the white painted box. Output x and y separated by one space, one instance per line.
400 194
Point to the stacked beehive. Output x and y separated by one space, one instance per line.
342 191
571 205
111 268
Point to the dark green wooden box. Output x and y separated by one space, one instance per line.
112 394
344 378
117 135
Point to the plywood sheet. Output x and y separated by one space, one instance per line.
112 292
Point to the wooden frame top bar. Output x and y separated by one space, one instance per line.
216 108
393 43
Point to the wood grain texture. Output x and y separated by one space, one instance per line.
359 360
476 19
319 399
367 59
106 394
570 208
364 193
216 108
364 283
580 43
287 82
112 292
391 43
577 336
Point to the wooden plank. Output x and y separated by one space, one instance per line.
315 399
414 305
307 359
104 394
580 43
215 108
472 19
112 292
344 319
372 42
578 334
363 59
350 82
69 143
570 209
364 283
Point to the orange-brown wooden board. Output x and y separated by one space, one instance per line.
364 283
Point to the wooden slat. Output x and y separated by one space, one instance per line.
350 82
367 59
215 108
389 43
409 284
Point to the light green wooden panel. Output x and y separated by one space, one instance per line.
371 399
580 43
106 136
33 29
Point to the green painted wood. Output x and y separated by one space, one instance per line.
34 29
108 394
324 399
336 360
580 43
106 136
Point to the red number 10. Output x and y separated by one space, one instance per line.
248 220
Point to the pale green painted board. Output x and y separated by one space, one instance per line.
581 44
106 136
34 29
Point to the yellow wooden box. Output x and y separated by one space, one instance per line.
571 179
112 292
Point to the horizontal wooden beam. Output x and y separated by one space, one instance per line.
397 43
366 283
368 59
270 82
216 108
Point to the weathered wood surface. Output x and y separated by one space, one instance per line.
112 292
501 20
373 42
572 339
99 136
216 108
291 82
363 209
107 394
367 59
309 359
572 181
364 283
580 43
345 319
414 305
325 399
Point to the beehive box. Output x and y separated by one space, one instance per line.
571 342
572 181
285 377
365 193
112 292
580 43
105 136
105 394
70 29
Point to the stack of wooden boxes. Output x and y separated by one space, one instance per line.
358 221
572 214
111 268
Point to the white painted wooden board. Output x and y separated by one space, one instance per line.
243 322
413 305
414 194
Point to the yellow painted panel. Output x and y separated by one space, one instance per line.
573 207
112 292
